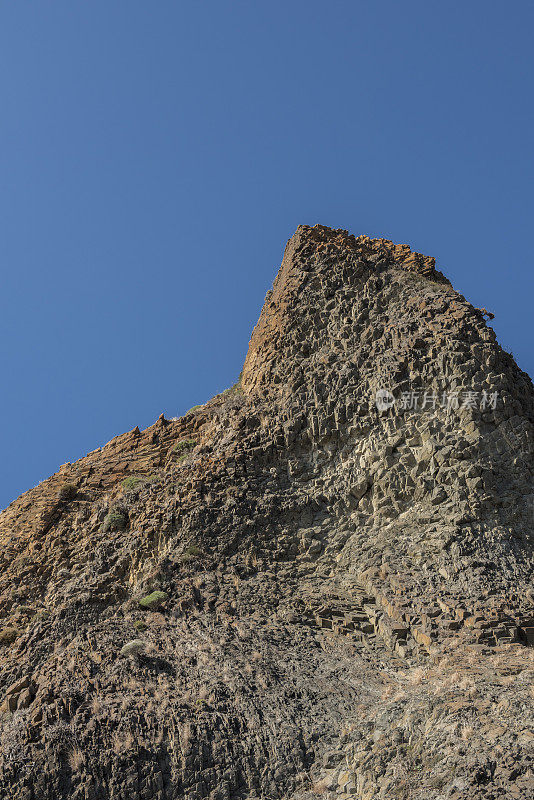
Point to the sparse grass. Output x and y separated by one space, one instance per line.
193 408
8 636
467 732
320 787
467 684
185 735
76 759
388 692
235 389
417 676
44 613
96 706
203 693
193 550
262 680
27 610
438 782
67 491
122 742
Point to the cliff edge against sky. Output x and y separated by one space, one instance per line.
316 584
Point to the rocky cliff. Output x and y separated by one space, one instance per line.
316 584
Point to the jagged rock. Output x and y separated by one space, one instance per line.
341 599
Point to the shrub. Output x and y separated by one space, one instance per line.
44 613
153 600
8 635
133 648
67 491
139 625
194 408
235 389
193 550
115 520
27 610
132 482
184 446
190 553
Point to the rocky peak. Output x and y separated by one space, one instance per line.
317 261
335 293
319 582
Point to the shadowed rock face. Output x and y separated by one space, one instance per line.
290 592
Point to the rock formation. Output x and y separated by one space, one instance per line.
316 584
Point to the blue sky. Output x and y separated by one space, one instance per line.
155 158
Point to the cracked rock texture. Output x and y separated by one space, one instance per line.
290 592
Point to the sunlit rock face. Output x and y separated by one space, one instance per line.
316 584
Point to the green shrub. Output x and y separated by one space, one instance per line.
193 408
190 553
27 610
44 613
184 446
8 636
438 782
67 491
235 389
132 482
193 550
139 625
133 648
115 520
153 600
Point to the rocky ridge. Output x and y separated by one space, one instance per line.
336 597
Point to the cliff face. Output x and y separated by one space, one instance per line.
335 592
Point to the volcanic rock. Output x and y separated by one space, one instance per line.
343 543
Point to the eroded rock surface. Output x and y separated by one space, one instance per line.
289 592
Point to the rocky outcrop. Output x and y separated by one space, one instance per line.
318 583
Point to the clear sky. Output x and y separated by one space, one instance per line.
155 157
